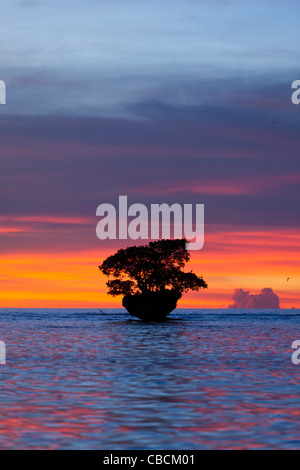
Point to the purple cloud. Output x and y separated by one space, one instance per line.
265 299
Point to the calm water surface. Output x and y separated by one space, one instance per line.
205 379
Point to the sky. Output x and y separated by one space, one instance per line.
182 101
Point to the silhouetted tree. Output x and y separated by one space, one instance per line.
155 267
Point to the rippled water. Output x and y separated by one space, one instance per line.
205 379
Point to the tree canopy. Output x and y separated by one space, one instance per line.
151 268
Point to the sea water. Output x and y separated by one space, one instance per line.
204 379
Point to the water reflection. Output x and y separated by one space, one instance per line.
77 380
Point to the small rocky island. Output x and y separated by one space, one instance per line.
151 277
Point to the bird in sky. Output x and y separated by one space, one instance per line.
288 279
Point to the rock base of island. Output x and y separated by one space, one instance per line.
152 306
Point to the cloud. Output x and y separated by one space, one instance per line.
265 299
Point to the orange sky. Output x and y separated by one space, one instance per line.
228 260
171 113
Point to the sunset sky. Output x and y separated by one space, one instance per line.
181 101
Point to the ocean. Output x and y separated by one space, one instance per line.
204 379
